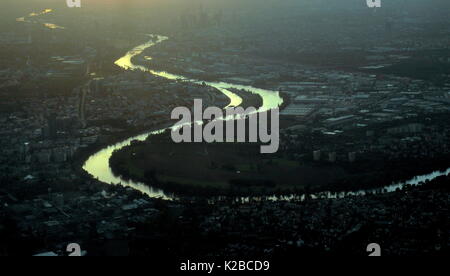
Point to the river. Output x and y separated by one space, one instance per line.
97 164
29 19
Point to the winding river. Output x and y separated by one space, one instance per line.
98 164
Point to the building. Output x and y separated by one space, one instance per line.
43 157
52 126
409 128
58 200
82 106
332 157
317 155
352 157
339 121
298 110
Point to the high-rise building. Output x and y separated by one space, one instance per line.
317 154
52 126
82 106
352 157
332 157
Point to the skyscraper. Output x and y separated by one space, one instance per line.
82 105
52 126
